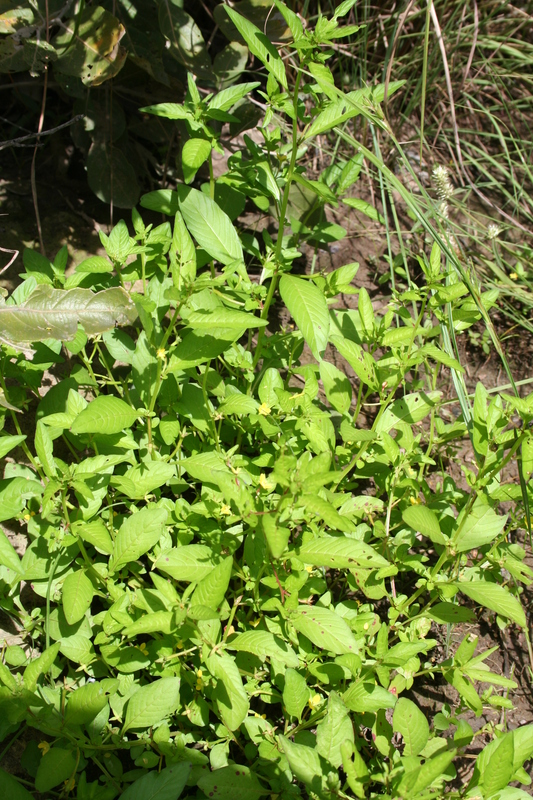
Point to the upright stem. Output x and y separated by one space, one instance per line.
283 210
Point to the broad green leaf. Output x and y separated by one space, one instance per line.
360 361
95 533
304 762
341 552
229 693
478 527
45 449
210 226
335 729
261 47
152 703
364 697
422 519
77 648
106 414
239 404
56 766
50 313
337 387
449 613
164 201
165 785
295 693
77 595
88 46
192 562
8 555
432 769
184 38
495 597
86 702
233 782
157 621
13 789
195 151
265 644
227 98
120 345
411 409
325 629
142 479
7 443
212 589
138 534
411 723
39 666
309 310
364 207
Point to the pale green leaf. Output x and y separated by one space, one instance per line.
152 703
192 562
210 226
261 47
265 644
341 552
106 414
495 597
77 595
335 729
325 629
309 310
138 534
411 723
165 785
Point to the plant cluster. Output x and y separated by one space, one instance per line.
245 567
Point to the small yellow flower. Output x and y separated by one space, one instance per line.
225 510
264 410
179 644
199 673
415 501
264 483
514 276
44 746
162 353
254 622
314 701
70 783
309 568
142 648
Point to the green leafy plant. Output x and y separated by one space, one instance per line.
245 566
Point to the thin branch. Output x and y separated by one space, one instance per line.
21 139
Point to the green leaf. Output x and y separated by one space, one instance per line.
411 723
478 527
210 226
194 153
432 769
234 782
142 479
261 47
335 729
88 46
106 414
56 766
229 693
325 629
364 697
337 387
8 555
138 534
7 443
162 621
295 693
152 703
45 449
192 562
365 208
495 597
423 519
39 666
12 788
341 552
165 785
450 614
304 763
411 409
185 41
95 533
164 201
86 702
360 361
111 176
265 644
120 345
50 313
309 310
77 595
212 589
